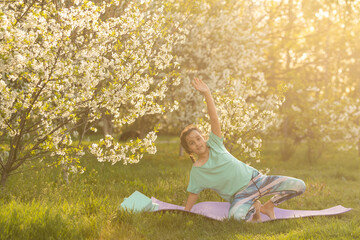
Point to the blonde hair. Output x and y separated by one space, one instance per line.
188 129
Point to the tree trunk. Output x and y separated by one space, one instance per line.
4 176
309 155
181 151
65 171
287 147
107 125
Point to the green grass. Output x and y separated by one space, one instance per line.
39 205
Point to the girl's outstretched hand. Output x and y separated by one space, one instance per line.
214 119
200 85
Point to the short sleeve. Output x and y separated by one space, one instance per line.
217 143
193 187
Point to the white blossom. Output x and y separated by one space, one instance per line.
295 108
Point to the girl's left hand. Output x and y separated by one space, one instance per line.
200 85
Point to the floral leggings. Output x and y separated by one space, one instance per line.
260 185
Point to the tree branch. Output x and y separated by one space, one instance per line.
1 162
22 15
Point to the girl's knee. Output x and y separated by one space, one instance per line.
301 186
296 185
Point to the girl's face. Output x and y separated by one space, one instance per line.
196 143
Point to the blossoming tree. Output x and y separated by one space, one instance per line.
225 49
62 68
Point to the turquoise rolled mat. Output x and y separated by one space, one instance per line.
138 202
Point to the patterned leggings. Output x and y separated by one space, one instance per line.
260 185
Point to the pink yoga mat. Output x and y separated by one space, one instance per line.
219 210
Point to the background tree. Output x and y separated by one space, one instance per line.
225 50
311 44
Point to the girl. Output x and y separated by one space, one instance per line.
236 182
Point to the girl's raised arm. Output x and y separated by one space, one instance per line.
214 119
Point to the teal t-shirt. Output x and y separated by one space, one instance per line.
222 172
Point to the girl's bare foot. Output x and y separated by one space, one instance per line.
256 216
268 209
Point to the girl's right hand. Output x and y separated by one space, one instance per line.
200 85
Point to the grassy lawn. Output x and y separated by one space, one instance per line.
39 205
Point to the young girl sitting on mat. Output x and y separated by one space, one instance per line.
233 180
